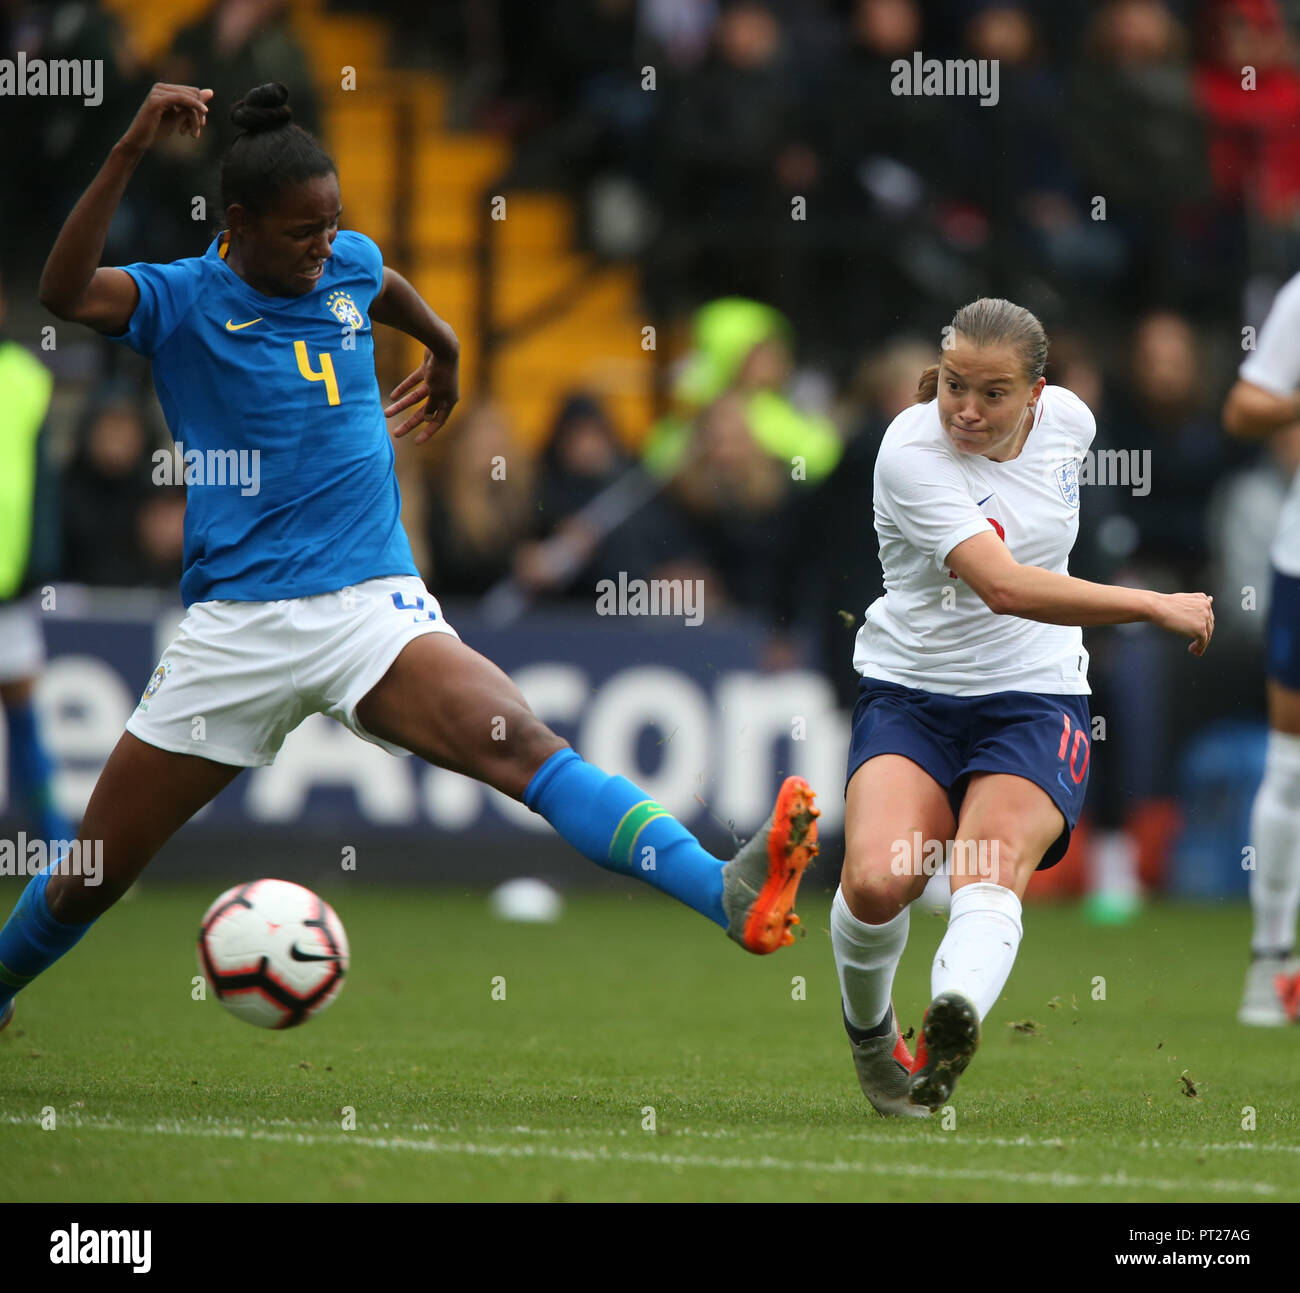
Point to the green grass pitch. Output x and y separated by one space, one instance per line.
631 1004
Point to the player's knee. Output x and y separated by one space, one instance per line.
875 895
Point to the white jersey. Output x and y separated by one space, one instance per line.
930 630
1274 365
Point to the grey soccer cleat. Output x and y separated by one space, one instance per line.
760 882
884 1065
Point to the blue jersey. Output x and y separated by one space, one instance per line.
288 461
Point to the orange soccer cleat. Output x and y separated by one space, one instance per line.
760 882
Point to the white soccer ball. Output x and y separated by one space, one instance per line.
532 901
274 952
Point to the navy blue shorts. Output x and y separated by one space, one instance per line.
1284 631
1045 739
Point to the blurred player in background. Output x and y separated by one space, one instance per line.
26 524
301 590
971 723
1265 400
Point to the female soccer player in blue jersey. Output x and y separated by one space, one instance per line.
301 592
971 724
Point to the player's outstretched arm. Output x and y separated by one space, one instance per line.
1009 588
1250 411
73 285
436 383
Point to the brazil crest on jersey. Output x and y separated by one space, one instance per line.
288 462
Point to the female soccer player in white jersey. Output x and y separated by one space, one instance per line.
301 592
1265 399
971 724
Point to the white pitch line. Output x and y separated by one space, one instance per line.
1055 1142
886 1135
1247 1145
602 1154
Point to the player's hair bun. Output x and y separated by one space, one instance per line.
269 153
264 108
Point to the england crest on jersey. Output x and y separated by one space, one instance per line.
1067 477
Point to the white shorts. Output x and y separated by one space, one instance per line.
240 676
22 644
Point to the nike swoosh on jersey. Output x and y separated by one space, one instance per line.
232 326
979 504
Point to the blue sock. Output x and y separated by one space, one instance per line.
620 828
32 940
31 771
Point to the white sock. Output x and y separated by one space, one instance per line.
1275 833
1113 864
980 947
866 958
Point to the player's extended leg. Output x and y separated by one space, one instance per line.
143 796
1272 991
453 707
31 770
890 804
1006 826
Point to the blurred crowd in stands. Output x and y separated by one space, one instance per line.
920 200
806 337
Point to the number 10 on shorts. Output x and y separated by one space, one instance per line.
1080 741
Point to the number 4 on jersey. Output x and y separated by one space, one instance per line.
325 375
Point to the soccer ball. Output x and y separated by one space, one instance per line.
274 952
